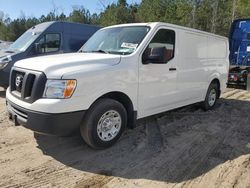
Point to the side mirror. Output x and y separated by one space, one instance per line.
154 55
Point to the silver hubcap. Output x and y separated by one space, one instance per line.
109 125
212 97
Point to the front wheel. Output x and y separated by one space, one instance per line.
211 96
104 123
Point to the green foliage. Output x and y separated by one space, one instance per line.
151 11
117 14
80 15
243 8
208 15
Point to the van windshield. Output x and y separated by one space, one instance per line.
117 40
24 41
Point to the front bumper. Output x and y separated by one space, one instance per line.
61 124
236 83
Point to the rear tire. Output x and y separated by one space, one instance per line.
104 123
211 97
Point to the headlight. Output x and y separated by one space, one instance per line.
59 89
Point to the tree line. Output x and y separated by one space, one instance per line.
213 16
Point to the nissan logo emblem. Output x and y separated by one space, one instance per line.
19 80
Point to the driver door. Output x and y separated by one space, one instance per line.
157 80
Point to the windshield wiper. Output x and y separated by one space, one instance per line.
96 51
9 51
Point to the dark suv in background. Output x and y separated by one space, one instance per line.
44 39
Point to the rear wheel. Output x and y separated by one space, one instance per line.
211 96
104 123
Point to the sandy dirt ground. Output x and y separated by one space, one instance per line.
182 148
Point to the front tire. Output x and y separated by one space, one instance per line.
104 123
211 97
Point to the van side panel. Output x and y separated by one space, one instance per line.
191 72
217 49
218 52
204 58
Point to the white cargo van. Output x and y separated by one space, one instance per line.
123 73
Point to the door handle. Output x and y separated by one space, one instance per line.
172 69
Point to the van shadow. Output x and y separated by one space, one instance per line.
171 147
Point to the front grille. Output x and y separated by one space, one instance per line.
27 85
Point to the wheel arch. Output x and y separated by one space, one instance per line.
217 81
126 102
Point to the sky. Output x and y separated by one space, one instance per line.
30 8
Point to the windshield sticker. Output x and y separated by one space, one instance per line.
129 45
128 50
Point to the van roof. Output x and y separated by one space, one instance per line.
43 26
157 24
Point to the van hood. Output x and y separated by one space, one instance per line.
55 66
6 52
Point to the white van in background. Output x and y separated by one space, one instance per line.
123 73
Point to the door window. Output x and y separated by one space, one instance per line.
164 38
49 43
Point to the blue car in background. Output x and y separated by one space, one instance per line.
44 39
239 46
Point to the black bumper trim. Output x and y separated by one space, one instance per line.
60 124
